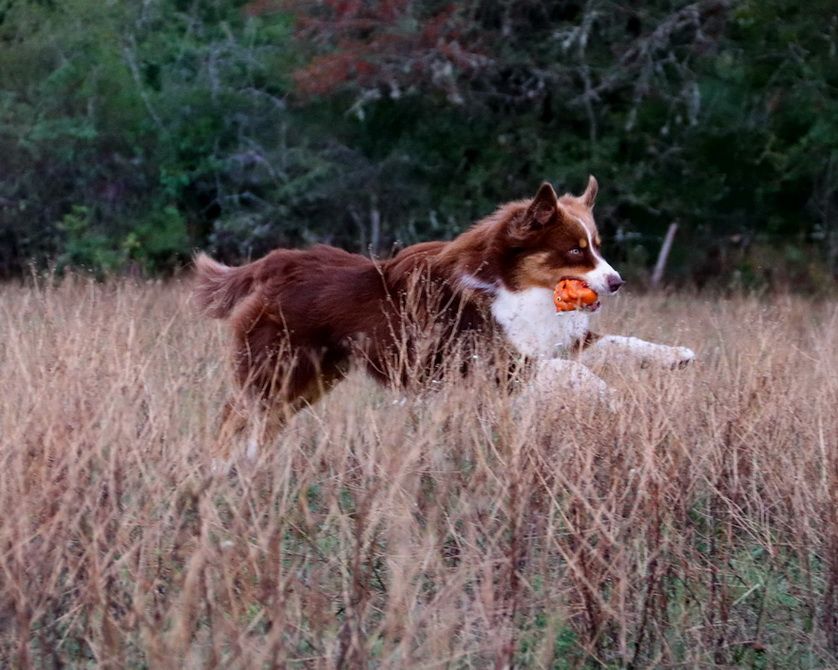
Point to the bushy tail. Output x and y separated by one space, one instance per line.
219 287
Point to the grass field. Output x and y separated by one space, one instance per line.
695 527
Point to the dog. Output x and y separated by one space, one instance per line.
299 318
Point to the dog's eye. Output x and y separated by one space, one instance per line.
576 251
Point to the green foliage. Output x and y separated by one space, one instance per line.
84 248
158 241
124 124
214 124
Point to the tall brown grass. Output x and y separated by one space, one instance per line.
695 527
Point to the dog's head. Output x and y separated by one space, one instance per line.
556 238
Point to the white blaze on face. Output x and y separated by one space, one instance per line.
531 324
597 278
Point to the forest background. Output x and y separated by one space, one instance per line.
132 133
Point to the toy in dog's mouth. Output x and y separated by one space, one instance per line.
572 294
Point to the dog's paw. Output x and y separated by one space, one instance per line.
611 401
682 357
222 467
671 358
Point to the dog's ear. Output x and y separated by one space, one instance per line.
542 211
543 207
589 196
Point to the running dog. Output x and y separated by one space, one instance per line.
299 318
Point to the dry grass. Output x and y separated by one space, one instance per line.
695 528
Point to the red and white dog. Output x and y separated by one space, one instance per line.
299 317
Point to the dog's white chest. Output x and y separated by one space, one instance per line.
531 324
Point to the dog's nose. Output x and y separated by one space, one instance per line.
614 283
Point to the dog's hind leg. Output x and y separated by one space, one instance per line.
269 406
232 424
273 413
233 421
247 424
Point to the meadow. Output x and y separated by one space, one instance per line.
695 526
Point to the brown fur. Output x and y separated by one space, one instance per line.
299 316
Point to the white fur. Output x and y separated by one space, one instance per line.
615 347
598 278
221 466
473 283
531 324
563 377
567 381
252 451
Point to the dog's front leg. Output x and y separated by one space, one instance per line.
613 348
558 377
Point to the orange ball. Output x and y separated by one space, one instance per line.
571 294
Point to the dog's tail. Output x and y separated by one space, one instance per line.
218 287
